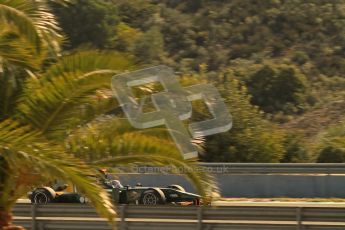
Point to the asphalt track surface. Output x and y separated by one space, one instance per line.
262 203
283 223
279 203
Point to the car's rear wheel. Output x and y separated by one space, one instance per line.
152 197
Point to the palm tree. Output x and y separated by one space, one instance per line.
29 34
46 105
32 137
112 142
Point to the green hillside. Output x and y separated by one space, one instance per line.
285 58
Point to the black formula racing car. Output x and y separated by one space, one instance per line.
172 194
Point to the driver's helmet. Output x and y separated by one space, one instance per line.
103 171
105 174
116 184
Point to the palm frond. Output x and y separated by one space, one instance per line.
12 131
57 101
28 153
112 136
17 56
10 11
17 51
98 146
34 20
84 61
114 140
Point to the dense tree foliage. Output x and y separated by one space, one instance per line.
86 22
332 145
296 150
216 32
306 35
277 89
252 138
331 154
289 54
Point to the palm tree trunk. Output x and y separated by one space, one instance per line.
6 221
5 213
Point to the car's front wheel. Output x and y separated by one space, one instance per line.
152 197
42 195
